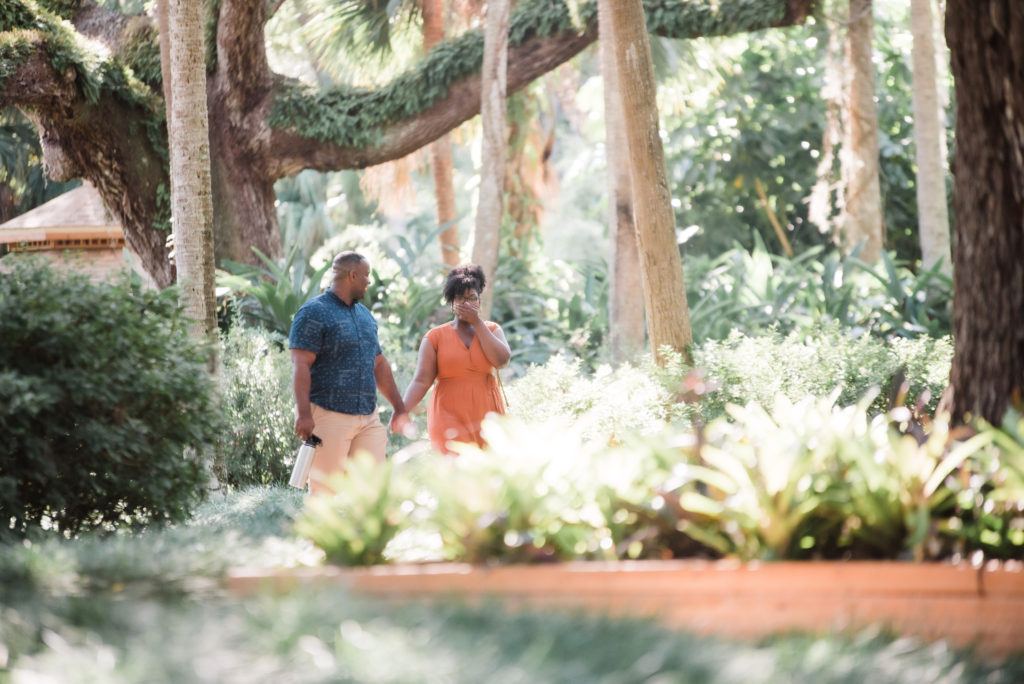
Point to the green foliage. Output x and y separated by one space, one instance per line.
21 163
271 295
323 634
356 532
759 477
64 9
250 526
688 19
745 369
142 54
17 15
256 400
15 47
755 291
102 396
406 288
95 71
748 108
805 479
603 405
548 307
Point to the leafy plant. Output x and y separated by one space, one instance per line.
271 295
747 368
258 446
354 526
103 397
755 291
756 479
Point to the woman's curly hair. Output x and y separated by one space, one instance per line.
462 278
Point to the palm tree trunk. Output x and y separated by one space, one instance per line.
930 142
863 219
191 194
625 308
492 114
440 150
820 210
668 317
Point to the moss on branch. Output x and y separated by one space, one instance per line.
356 117
29 26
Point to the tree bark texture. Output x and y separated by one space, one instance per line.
986 42
191 194
625 301
929 142
820 202
487 234
668 317
120 145
440 151
863 217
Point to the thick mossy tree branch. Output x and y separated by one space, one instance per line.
357 127
243 74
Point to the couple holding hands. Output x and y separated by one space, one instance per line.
338 366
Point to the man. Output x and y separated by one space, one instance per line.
337 367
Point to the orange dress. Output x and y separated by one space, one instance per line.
465 390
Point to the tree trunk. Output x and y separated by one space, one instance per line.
528 171
668 317
820 202
492 115
440 151
191 194
986 42
930 142
625 308
863 218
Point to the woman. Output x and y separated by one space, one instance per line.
461 355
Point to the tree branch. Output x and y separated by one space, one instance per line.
273 6
37 84
291 151
242 79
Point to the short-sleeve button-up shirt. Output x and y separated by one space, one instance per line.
344 339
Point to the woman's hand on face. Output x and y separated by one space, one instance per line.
467 312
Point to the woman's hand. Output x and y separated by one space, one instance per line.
467 312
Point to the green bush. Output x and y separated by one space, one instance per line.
102 399
754 291
602 405
371 513
244 527
756 368
256 399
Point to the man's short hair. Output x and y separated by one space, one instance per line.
346 261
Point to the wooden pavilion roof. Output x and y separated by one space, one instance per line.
75 220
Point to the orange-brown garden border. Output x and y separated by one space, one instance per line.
981 607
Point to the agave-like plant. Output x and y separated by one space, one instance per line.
278 289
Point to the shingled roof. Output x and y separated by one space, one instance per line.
75 220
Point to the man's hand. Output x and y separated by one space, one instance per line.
401 424
304 426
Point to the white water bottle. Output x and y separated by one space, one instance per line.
303 462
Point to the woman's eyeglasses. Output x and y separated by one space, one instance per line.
471 299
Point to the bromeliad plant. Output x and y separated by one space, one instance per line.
272 294
368 510
803 479
759 478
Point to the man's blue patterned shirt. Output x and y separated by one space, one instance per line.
344 339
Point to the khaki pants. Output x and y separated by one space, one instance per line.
343 435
